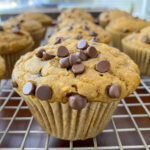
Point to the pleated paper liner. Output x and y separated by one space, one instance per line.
61 121
140 56
10 60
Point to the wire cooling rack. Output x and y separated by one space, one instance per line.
128 129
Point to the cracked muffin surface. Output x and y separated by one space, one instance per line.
91 77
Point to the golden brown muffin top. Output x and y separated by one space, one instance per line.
13 40
37 16
107 16
127 24
140 39
2 68
82 30
24 24
92 70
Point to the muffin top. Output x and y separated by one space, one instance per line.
40 17
2 68
30 26
139 40
84 69
75 13
85 30
13 40
127 24
108 16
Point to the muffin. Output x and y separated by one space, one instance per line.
13 44
33 27
124 26
108 16
72 89
85 30
44 19
2 68
137 46
75 13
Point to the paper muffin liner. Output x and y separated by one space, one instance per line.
38 37
116 38
61 121
10 60
140 56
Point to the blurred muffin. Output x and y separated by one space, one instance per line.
2 68
108 16
72 89
85 30
75 13
137 46
124 26
35 28
13 44
44 19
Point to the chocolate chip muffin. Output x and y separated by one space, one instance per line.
44 19
73 88
137 46
124 26
2 68
107 16
33 27
77 31
75 13
13 43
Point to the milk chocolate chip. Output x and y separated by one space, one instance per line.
145 39
64 62
62 51
47 56
82 44
40 53
93 34
78 68
58 40
74 59
14 84
28 88
82 55
91 52
103 66
114 91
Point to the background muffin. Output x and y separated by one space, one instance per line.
35 28
137 46
2 68
82 30
124 26
73 88
13 44
108 16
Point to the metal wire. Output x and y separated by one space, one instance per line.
126 105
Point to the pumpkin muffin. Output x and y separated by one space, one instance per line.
124 26
33 27
13 43
75 13
2 68
85 30
137 46
107 16
73 88
44 19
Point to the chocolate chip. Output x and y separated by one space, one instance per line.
103 66
137 31
114 91
91 52
14 84
93 34
85 28
74 59
16 30
47 56
62 51
40 53
82 55
125 30
64 62
44 92
77 102
21 21
1 28
58 40
70 28
145 39
82 44
94 39
79 37
78 68
28 88
39 74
